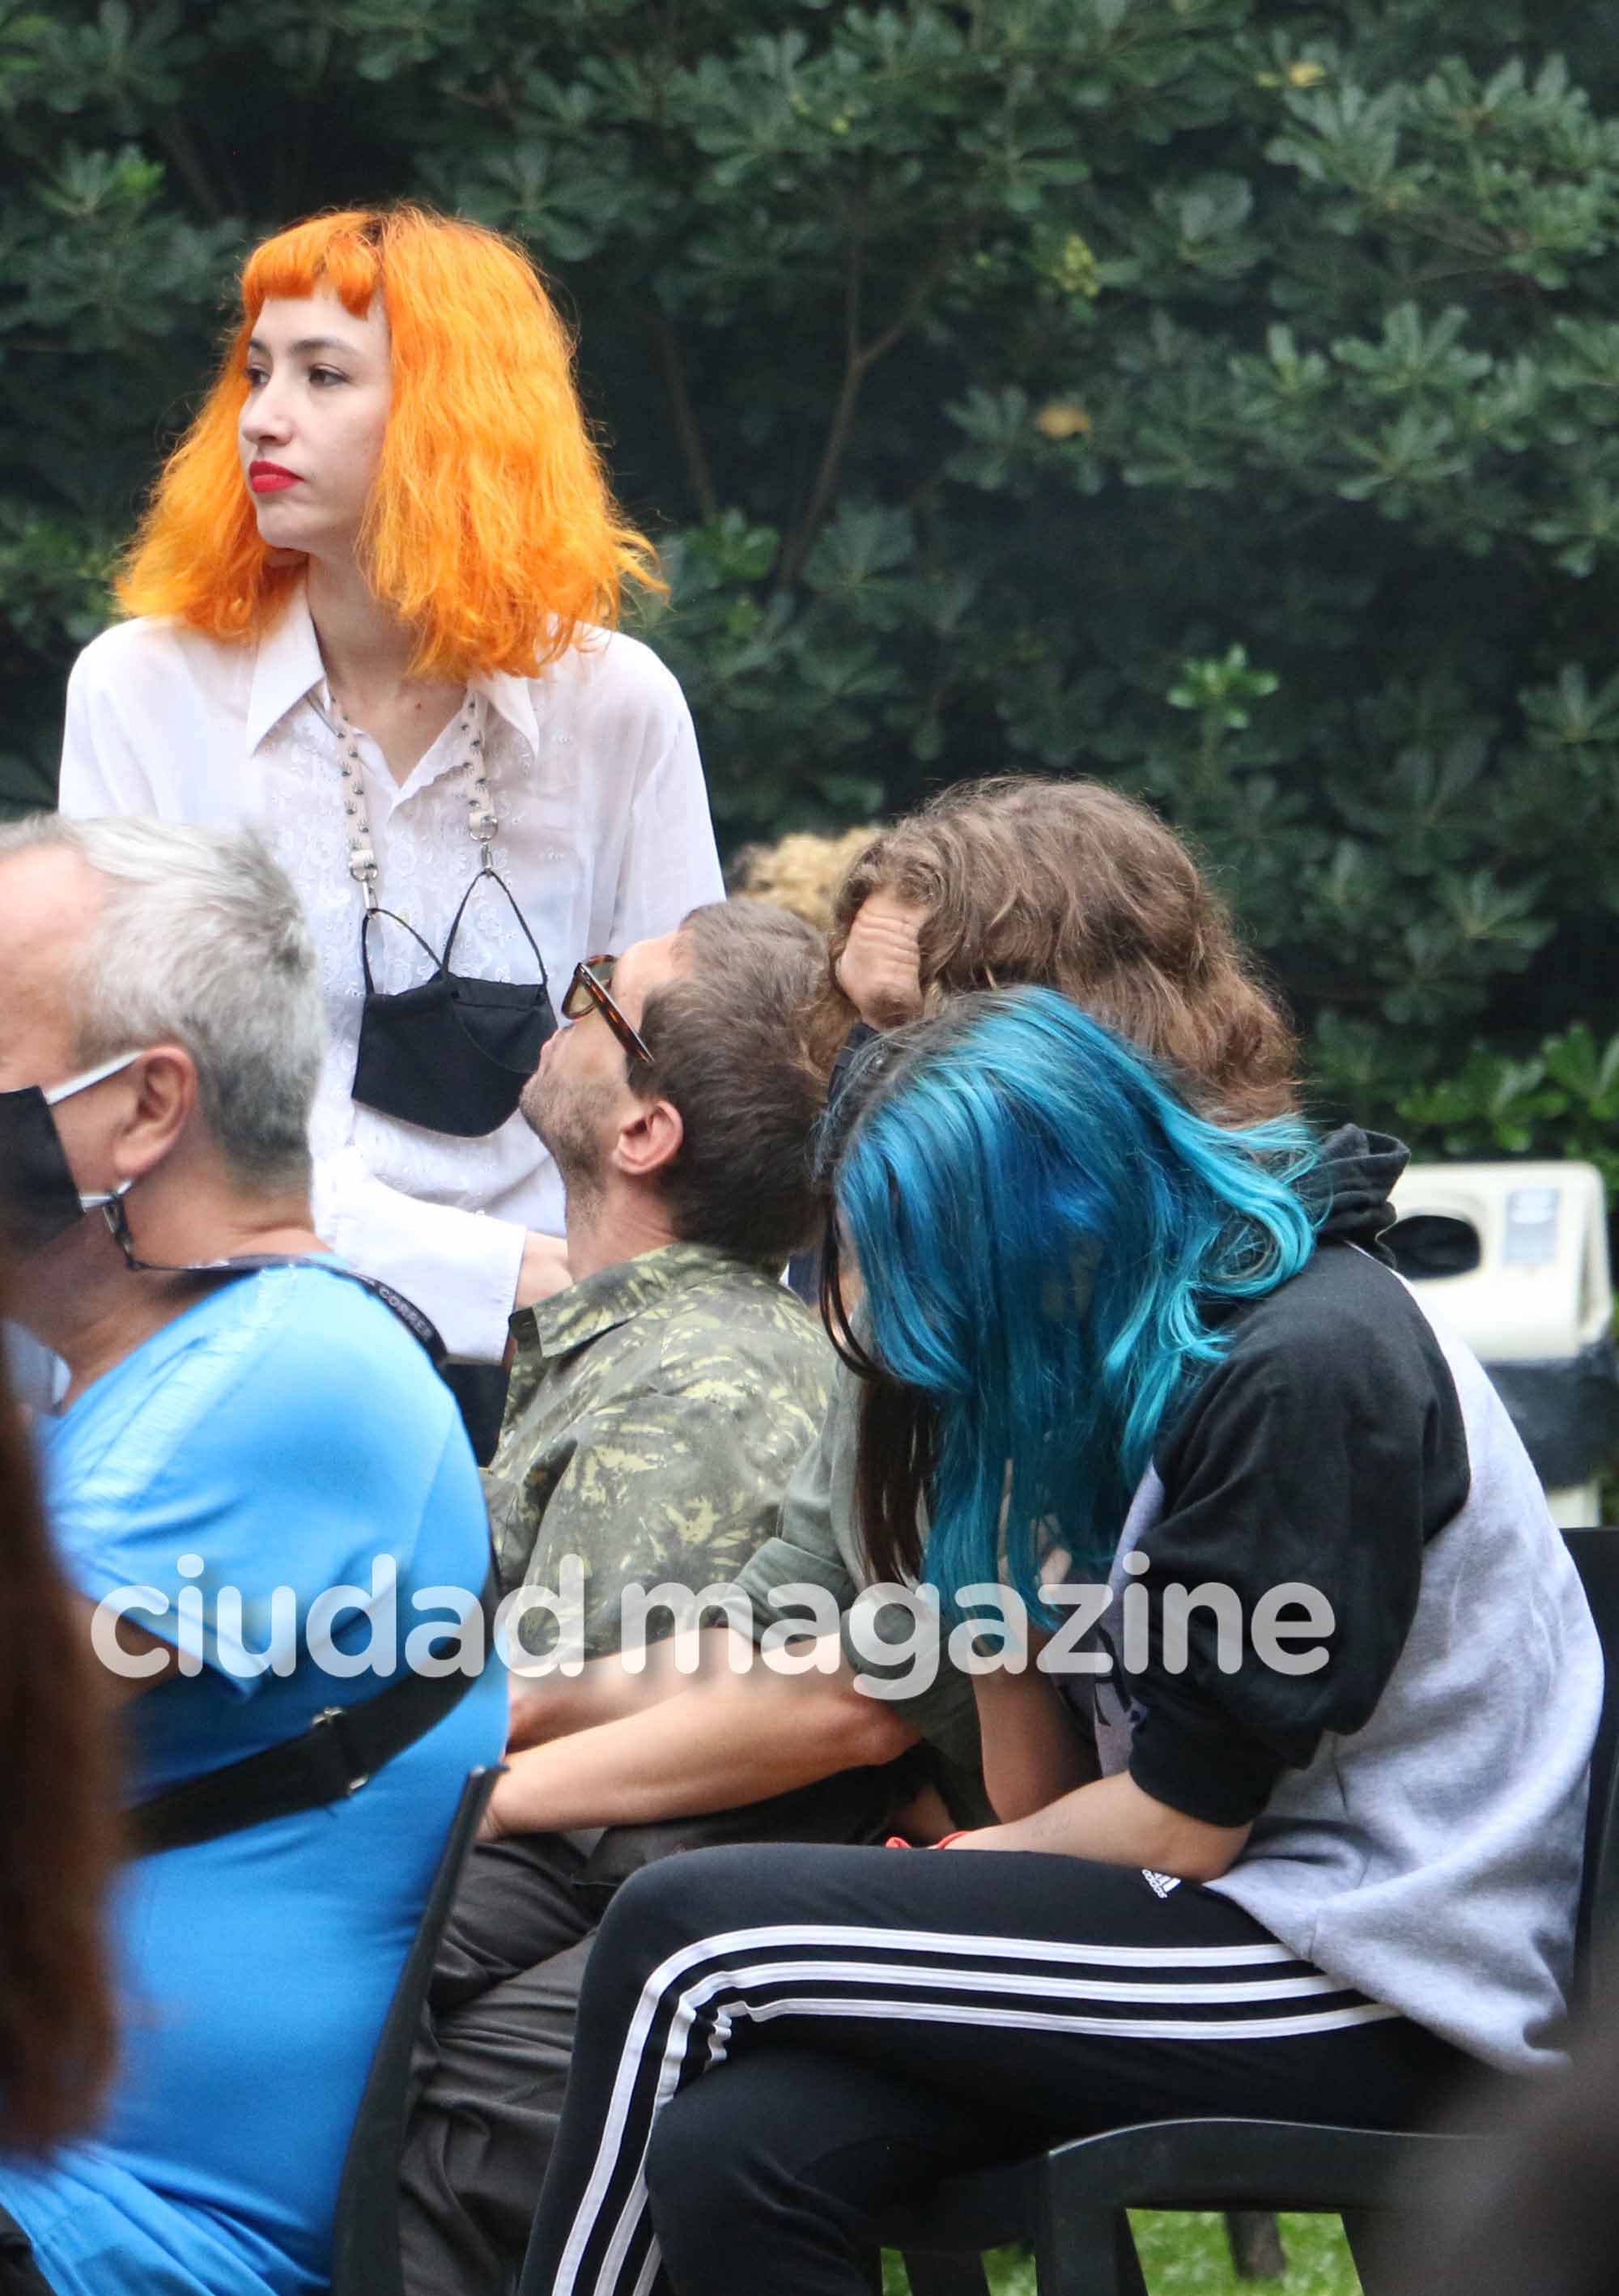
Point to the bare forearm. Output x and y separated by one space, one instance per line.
1035 1748
719 1746
549 1706
555 1706
1112 1821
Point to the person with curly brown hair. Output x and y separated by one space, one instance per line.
1021 883
1110 1349
801 872
1010 882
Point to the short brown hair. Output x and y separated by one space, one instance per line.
1071 885
728 1049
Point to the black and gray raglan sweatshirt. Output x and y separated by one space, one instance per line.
1418 1802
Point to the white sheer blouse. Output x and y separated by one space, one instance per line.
604 839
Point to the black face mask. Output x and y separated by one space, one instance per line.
39 1199
451 1054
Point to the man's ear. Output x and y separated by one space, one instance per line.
166 1094
648 1141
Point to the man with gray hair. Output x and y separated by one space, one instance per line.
255 1459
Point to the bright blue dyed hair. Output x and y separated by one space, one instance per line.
1047 1234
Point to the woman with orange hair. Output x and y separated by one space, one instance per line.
373 600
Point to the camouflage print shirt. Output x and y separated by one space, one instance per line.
655 1412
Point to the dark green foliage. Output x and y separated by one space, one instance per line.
1562 1101
1219 395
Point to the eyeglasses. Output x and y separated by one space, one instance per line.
587 993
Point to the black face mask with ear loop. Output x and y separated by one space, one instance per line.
39 1197
40 1200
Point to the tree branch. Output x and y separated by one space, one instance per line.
859 359
175 138
911 309
797 548
790 564
699 477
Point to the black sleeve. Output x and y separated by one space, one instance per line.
1327 1448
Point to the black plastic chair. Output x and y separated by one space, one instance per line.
1071 2201
365 2235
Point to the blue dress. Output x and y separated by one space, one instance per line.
285 1433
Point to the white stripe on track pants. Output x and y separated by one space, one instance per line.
776 2042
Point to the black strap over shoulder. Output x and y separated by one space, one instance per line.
343 1749
416 1321
419 1326
344 1746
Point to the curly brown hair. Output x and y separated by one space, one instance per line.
1071 885
800 872
58 1830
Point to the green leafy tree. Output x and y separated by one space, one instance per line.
1562 1101
1222 396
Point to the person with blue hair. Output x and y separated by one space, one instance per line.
1103 1337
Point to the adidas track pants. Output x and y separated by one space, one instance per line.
776 2042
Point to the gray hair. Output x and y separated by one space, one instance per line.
200 941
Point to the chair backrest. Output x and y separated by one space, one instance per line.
365 2233
1596 1554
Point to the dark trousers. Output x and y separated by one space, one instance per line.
492 2065
19 2275
502 2010
775 2044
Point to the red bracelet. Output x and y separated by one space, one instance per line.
898 1840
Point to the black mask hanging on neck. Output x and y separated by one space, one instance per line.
452 1053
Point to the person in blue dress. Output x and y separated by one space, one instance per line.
265 1498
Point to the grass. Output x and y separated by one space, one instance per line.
1188 2256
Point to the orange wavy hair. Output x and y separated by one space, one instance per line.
491 532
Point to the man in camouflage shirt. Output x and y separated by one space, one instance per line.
656 1411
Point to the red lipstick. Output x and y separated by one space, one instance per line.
270 478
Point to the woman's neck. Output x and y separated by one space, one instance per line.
367 651
365 648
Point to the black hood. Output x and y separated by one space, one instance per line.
1356 1172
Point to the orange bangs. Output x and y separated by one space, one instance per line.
491 531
